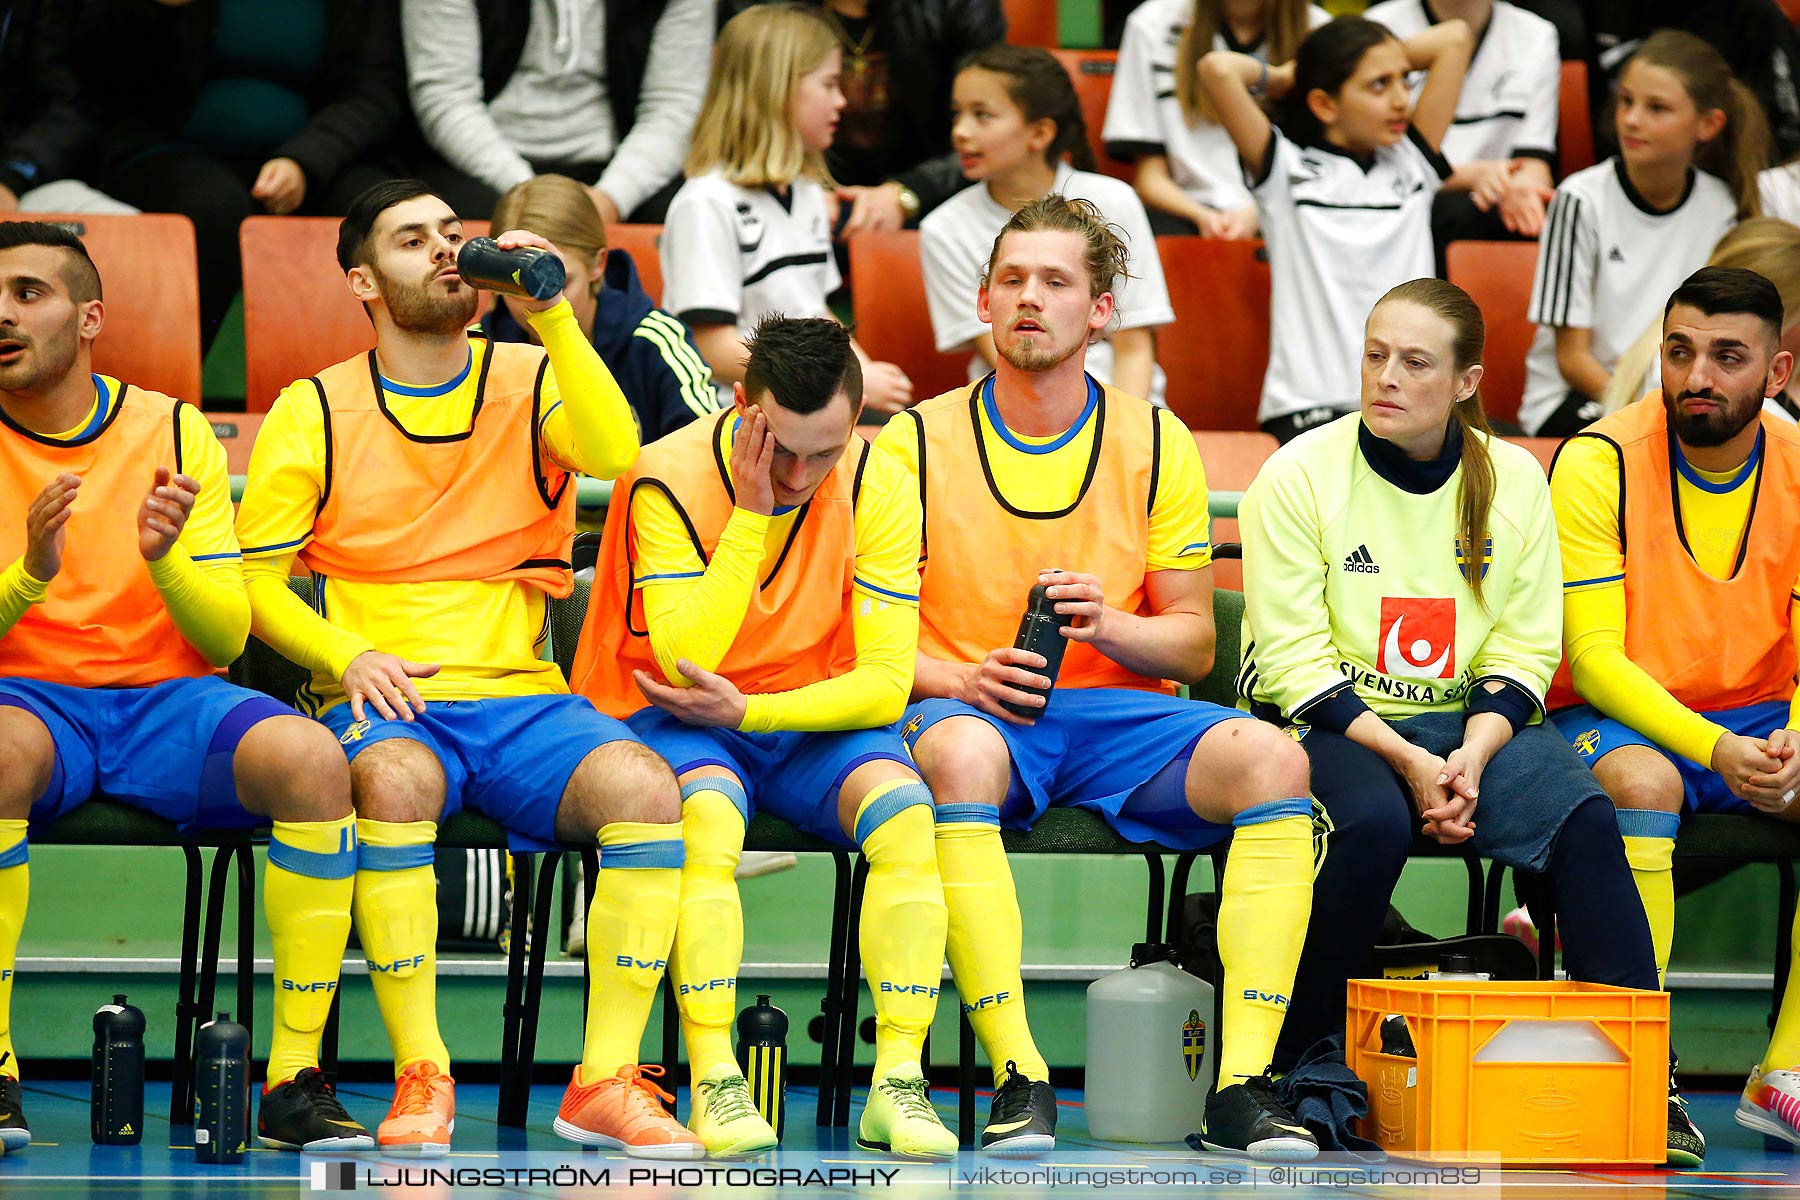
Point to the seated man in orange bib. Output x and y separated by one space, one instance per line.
1682 651
763 556
429 486
121 602
1039 475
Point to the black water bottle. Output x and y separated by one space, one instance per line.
221 1091
117 1097
1040 633
534 274
762 1053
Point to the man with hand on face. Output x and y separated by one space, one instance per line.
1038 466
765 564
1681 652
122 601
429 486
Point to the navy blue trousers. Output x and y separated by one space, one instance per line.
1606 938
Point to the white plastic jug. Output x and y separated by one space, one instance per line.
1150 1046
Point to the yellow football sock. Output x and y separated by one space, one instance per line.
15 888
397 919
709 937
1784 1043
1265 899
307 889
630 928
903 918
1649 838
985 936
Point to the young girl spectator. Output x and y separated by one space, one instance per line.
649 352
1765 245
749 233
1016 119
1503 142
1403 604
1187 168
1344 188
1624 233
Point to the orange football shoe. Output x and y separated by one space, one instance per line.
423 1115
623 1112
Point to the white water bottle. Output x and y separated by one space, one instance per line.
1150 1047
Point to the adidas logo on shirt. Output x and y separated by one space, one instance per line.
1360 562
1615 255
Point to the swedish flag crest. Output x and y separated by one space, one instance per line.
1487 558
1193 1042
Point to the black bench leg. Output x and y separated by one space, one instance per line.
848 998
246 953
590 872
181 1094
1184 867
1496 880
834 974
550 865
1153 926
671 1038
1784 936
215 929
513 1013
328 1039
965 1078
1477 892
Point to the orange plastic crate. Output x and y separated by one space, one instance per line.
1446 1101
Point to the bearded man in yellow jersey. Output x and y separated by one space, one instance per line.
767 567
1681 576
429 486
1038 475
121 601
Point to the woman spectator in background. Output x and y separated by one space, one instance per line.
892 158
220 109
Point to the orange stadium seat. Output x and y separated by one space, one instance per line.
148 277
1542 449
1215 353
1092 71
893 321
1031 22
299 317
640 241
1497 275
236 432
1232 460
1575 124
